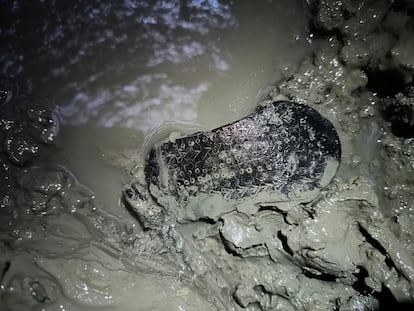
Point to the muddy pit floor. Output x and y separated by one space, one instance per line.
351 248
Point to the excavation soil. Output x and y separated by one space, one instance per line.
351 248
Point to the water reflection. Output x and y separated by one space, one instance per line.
116 63
159 101
134 63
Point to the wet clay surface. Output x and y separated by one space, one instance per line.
349 248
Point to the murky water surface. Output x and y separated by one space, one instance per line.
119 72
135 66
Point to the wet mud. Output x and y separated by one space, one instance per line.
348 247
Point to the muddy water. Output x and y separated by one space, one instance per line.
211 74
120 71
126 75
121 74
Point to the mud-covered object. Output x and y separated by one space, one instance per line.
282 152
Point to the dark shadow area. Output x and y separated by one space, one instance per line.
326 277
385 83
401 118
285 245
408 306
378 246
387 302
360 285
393 90
403 6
